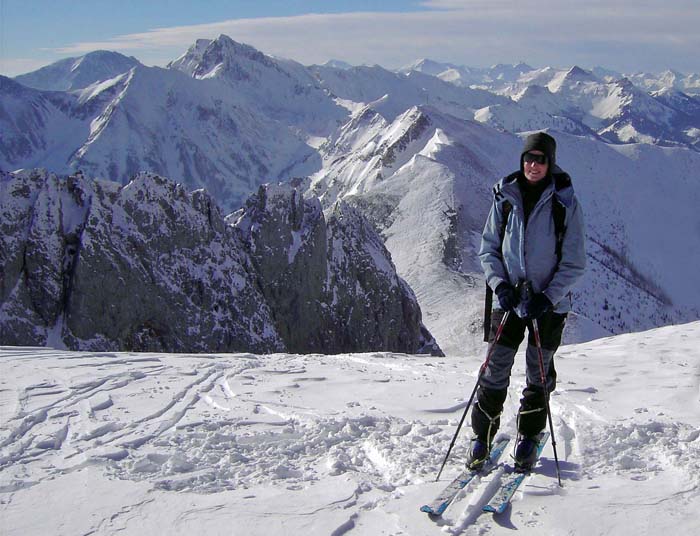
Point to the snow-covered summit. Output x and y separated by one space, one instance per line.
282 89
508 73
80 72
208 58
196 131
428 66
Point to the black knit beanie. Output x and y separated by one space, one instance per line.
540 141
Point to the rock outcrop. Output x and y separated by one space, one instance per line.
328 277
149 266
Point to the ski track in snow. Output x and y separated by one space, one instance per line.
352 441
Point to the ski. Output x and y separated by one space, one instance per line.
447 495
511 482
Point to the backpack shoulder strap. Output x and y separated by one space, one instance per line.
506 208
559 217
562 180
488 307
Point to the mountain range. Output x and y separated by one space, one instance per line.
416 151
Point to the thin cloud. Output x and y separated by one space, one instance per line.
622 35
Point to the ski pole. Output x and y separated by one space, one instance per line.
471 398
543 379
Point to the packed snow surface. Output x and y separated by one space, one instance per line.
105 443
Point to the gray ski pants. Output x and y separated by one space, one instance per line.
493 386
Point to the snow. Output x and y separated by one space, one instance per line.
450 165
99 443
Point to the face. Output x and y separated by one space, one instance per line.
534 171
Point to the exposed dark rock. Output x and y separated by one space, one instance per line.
147 266
152 267
329 278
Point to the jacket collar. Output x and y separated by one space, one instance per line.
561 186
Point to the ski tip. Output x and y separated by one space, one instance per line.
431 513
494 509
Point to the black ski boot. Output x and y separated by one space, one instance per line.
525 454
478 454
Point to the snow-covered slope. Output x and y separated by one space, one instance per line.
194 131
78 73
400 91
578 101
687 83
282 90
100 443
415 178
425 180
198 132
534 108
232 120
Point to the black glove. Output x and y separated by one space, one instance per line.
507 297
536 306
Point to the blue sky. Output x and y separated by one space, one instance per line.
626 35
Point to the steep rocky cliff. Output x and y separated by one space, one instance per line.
147 266
151 267
328 277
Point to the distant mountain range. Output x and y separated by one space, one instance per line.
415 150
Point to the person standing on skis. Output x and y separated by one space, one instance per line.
532 252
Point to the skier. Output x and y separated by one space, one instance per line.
532 253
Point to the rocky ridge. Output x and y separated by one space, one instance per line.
149 266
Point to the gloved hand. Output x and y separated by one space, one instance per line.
507 297
536 306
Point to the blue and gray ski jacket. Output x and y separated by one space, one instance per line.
528 252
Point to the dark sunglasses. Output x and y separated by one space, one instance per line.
538 158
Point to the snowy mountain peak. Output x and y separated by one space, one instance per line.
428 66
191 59
407 128
577 73
509 73
670 77
572 79
78 73
101 58
338 64
625 83
206 59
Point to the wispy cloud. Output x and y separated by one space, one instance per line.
621 34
